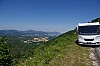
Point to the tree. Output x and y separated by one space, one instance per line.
5 56
96 20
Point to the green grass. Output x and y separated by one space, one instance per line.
61 51
72 56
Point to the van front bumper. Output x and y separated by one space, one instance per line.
89 43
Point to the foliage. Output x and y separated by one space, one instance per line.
96 20
19 50
58 52
6 59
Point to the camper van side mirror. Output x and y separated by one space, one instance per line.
77 29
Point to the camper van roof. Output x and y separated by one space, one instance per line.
85 24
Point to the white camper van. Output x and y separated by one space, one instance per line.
89 33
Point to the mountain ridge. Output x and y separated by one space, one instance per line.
25 32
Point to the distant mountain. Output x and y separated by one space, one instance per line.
27 33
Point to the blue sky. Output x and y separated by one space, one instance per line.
47 15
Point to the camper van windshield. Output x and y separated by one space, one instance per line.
89 30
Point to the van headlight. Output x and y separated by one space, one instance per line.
80 37
98 37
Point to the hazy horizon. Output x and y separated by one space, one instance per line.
46 15
29 30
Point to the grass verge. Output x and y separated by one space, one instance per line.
61 51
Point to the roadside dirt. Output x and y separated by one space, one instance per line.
94 57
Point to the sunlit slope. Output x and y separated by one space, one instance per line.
61 51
